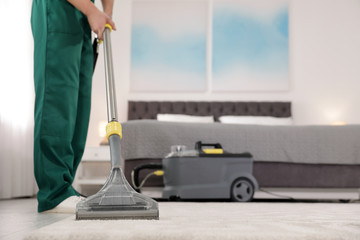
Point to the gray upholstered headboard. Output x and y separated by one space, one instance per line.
149 109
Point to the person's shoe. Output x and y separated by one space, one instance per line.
66 206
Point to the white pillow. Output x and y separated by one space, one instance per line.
184 118
257 120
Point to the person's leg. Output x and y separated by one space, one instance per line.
84 97
58 42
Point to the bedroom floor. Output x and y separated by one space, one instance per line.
18 217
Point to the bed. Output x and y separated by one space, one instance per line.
284 156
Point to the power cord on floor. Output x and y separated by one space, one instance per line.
277 195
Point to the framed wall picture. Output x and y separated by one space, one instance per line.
250 45
168 46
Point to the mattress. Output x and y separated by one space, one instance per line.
145 139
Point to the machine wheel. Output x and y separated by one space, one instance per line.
242 190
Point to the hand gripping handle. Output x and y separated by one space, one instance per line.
107 26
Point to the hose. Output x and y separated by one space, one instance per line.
135 174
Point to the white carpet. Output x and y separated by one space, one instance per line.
207 221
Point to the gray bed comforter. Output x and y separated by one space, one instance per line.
292 144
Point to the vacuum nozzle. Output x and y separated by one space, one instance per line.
117 199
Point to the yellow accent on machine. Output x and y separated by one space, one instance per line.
213 151
159 173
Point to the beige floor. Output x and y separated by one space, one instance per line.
221 221
19 216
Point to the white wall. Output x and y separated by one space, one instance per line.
324 37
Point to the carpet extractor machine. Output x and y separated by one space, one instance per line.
116 199
206 173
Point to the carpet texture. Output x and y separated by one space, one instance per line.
215 221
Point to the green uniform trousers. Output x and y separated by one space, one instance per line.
63 67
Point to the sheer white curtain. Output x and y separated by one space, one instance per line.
16 100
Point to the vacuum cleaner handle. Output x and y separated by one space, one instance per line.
116 199
109 76
113 127
199 145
